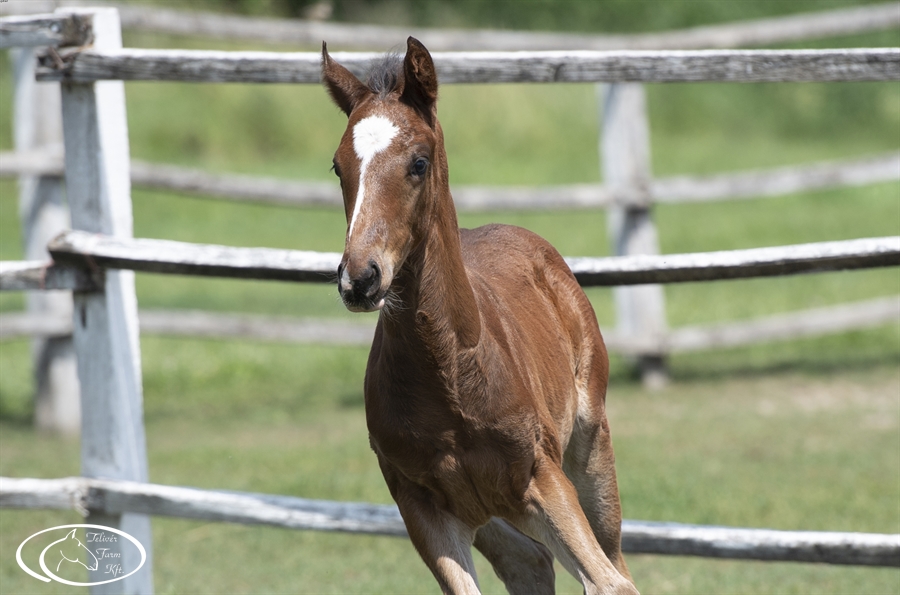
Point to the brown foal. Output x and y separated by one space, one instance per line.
486 384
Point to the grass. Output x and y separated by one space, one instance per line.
797 448
796 435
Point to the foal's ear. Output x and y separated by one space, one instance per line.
420 87
346 90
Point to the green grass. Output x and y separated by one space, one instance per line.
797 448
793 435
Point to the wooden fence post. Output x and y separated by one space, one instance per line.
37 126
105 323
625 156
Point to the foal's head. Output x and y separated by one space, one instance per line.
390 161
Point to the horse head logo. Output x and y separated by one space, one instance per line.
65 553
72 550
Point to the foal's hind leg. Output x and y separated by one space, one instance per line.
589 464
524 565
554 517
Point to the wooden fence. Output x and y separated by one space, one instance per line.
99 256
640 311
117 497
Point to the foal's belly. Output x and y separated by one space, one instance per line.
474 474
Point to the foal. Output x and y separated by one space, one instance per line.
486 384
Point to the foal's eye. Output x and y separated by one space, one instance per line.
336 169
419 167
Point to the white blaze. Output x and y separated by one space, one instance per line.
370 136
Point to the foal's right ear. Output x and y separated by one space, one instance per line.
346 90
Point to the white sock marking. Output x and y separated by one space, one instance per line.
370 136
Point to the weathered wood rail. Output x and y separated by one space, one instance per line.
52 30
220 325
118 497
81 257
88 250
677 189
217 325
768 31
39 275
571 66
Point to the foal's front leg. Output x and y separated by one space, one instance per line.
443 541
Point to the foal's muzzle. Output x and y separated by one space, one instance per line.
362 291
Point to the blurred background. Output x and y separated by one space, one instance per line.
801 434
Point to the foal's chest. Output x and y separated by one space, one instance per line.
451 446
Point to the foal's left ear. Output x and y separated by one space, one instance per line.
346 90
420 87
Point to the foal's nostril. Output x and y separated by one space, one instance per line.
373 278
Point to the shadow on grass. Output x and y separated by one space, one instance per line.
14 414
824 367
833 355
15 418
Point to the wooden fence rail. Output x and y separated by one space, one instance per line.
217 325
781 327
572 66
677 189
39 275
221 325
118 497
759 32
92 251
52 30
789 28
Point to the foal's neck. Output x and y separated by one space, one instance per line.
438 303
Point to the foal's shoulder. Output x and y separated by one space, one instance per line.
500 236
509 247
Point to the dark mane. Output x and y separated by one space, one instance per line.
386 74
